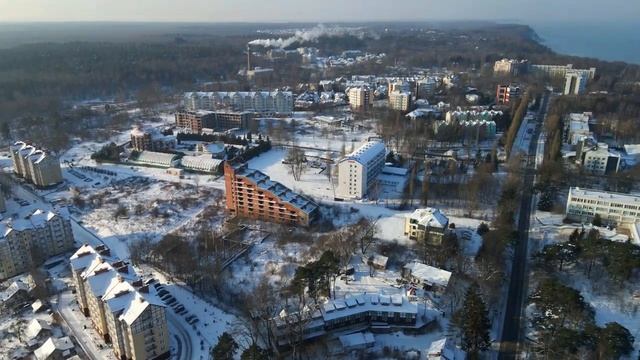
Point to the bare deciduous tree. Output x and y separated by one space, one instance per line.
297 162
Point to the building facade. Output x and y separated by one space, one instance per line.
597 159
25 243
360 97
250 193
613 208
400 100
263 103
506 93
120 307
426 225
35 165
510 67
194 121
357 172
142 140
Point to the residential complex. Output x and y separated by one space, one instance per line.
27 242
142 140
357 172
250 193
426 225
360 97
400 100
575 82
615 208
119 305
35 165
596 158
510 67
560 71
263 103
368 310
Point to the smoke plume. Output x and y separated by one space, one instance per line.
305 36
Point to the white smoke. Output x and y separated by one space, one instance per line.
311 35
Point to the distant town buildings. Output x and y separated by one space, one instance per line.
614 208
426 225
262 103
506 93
357 172
510 67
142 140
119 305
27 242
35 165
360 97
251 193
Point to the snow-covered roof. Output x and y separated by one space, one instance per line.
604 196
395 170
367 152
357 340
35 327
430 217
51 345
428 274
336 309
200 163
37 305
36 219
136 131
282 192
158 158
83 257
379 260
13 289
632 149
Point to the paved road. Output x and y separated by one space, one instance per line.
512 334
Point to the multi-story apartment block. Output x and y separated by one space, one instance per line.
35 165
511 67
613 208
575 82
597 158
263 103
357 172
250 193
400 100
560 71
426 225
506 93
577 127
142 140
195 121
360 97
121 308
25 243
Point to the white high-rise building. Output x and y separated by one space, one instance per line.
360 97
357 172
616 208
400 100
575 82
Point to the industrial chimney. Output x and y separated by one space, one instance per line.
248 58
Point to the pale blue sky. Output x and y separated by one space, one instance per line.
317 10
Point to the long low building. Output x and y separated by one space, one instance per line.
251 193
263 103
201 163
613 208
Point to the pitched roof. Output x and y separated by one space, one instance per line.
429 274
51 345
35 327
430 217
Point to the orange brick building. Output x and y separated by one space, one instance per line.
250 193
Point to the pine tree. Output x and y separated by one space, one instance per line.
225 348
614 341
597 220
254 352
475 324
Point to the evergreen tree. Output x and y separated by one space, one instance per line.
254 352
546 200
475 324
614 341
597 220
225 348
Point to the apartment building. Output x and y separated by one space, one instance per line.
120 307
400 100
194 121
28 241
360 97
227 120
597 158
35 165
577 127
510 67
613 208
357 172
250 193
506 93
142 140
426 225
560 71
575 82
263 103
